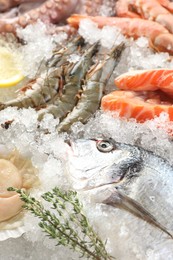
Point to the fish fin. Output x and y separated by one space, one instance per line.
118 199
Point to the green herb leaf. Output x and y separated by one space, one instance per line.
66 222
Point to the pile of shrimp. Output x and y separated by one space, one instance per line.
150 18
142 94
70 89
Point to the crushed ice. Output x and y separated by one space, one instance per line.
47 152
108 36
37 49
137 54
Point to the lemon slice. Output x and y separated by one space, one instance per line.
10 74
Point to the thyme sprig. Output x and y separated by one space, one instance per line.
66 222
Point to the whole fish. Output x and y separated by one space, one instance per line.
134 175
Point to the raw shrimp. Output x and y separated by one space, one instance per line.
41 91
96 79
59 56
37 92
147 9
167 4
159 37
73 75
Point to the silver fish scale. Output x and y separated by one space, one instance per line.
123 176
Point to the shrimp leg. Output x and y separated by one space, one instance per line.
74 74
60 56
96 80
39 92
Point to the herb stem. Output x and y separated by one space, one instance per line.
69 227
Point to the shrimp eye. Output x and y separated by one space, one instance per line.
105 146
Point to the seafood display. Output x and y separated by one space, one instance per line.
158 29
148 94
146 80
140 105
120 166
59 126
159 37
70 91
14 14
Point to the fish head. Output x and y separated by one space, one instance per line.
97 162
121 175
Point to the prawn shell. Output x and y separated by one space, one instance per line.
96 79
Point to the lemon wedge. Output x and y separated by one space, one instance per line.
10 74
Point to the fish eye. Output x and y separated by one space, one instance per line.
105 146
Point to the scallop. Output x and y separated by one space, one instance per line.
10 176
9 207
18 172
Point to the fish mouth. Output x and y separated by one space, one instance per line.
126 172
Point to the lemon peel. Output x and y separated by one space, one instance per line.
10 72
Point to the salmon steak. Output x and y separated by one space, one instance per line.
146 80
141 105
